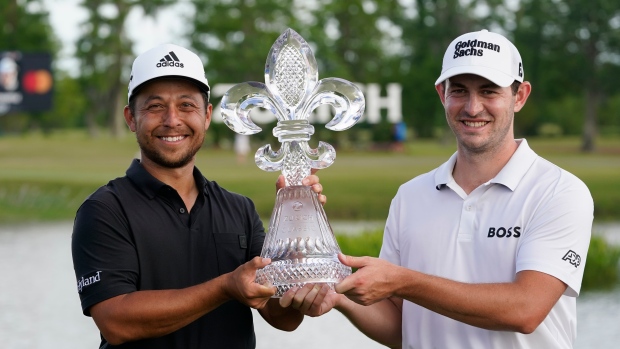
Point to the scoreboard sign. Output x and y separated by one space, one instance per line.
26 82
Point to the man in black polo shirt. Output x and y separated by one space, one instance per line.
163 257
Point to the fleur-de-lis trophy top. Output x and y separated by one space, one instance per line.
292 91
300 242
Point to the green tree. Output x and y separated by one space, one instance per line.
104 50
428 28
570 51
593 38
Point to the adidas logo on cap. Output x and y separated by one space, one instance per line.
170 60
163 60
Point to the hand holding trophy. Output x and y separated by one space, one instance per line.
300 241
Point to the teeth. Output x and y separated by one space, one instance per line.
475 124
172 139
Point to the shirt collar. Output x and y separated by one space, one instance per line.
517 166
151 186
509 176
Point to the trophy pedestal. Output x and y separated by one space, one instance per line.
300 243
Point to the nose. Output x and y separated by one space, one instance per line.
474 105
172 117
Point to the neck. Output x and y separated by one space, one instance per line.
474 169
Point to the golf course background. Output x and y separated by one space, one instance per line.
46 177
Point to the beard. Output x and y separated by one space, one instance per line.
169 161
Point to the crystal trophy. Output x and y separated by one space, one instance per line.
299 241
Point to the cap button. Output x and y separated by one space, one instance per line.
484 30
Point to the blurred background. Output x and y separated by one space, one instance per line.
64 68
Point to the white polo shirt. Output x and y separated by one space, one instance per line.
532 216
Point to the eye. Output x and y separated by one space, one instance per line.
188 106
154 106
489 92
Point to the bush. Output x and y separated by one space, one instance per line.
601 265
364 244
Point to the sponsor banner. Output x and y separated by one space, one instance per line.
26 81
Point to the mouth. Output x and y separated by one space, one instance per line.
475 124
172 138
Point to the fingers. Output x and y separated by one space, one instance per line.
240 284
307 299
280 182
313 182
354 262
258 262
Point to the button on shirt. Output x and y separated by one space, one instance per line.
135 234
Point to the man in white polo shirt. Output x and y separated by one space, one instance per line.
486 251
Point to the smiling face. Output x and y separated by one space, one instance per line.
170 122
480 113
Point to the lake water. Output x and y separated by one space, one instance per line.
40 308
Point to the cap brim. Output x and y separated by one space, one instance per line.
201 85
496 77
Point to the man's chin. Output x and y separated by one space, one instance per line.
168 162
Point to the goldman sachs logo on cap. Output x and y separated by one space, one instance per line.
170 60
473 48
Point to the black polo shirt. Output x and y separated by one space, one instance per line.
135 234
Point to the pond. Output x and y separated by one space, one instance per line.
40 308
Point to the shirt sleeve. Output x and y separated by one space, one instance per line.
558 236
104 256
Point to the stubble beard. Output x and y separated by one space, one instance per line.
160 158
488 145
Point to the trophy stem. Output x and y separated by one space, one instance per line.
300 243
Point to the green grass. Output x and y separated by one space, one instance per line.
47 177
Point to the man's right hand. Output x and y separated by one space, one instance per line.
240 284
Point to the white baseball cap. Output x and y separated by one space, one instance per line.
167 60
483 53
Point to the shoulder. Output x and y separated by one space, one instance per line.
558 179
228 198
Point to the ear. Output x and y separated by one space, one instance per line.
441 90
130 120
521 97
208 112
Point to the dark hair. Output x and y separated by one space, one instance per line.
515 86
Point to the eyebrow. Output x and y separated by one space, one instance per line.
158 97
484 86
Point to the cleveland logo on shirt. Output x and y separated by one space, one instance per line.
572 257
473 48
87 280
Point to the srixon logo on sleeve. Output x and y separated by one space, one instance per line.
88 280
572 257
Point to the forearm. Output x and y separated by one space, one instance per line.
516 306
381 321
285 319
147 314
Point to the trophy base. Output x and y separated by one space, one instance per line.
288 274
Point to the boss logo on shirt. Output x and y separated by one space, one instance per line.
502 232
572 257
88 279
